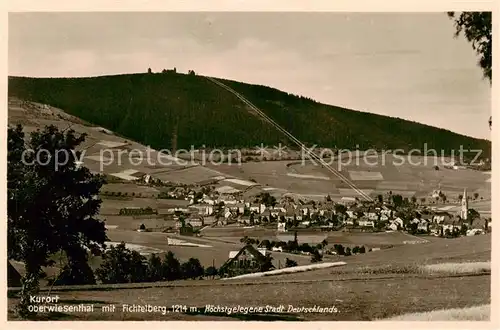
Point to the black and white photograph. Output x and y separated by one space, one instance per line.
249 166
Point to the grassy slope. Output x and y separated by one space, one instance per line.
150 107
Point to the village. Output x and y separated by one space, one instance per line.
390 212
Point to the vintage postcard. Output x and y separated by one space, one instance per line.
249 165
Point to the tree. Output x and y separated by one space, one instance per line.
414 200
380 198
142 227
149 70
324 243
138 268
339 248
292 246
422 200
155 272
211 271
412 228
472 215
397 200
170 267
290 263
460 196
355 250
51 206
266 244
340 209
267 264
463 229
192 269
266 199
362 249
347 251
121 265
476 26
476 195
316 257
77 270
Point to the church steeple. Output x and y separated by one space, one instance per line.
465 205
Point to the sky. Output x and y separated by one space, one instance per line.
406 65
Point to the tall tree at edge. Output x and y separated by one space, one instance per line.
50 208
476 26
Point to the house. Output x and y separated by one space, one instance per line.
384 217
450 224
247 260
351 214
186 230
393 226
13 276
436 193
290 214
210 201
228 214
349 221
439 218
423 225
386 211
257 208
347 200
241 208
372 215
274 211
281 227
434 229
415 221
308 209
244 219
475 231
202 209
195 221
366 223
237 208
399 222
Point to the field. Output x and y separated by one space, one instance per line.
387 174
380 239
112 206
357 295
462 249
216 254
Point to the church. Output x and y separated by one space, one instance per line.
464 211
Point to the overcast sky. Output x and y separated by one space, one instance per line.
402 65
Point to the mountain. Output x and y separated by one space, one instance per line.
159 108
